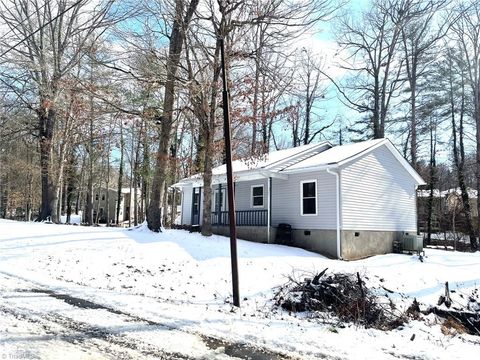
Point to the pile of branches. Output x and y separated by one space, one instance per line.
340 294
464 318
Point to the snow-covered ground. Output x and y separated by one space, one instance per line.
140 294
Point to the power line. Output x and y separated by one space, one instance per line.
41 27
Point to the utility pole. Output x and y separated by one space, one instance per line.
231 195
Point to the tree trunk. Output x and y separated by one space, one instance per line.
70 183
431 184
459 157
145 171
154 213
473 242
46 118
132 180
209 135
413 124
89 200
107 185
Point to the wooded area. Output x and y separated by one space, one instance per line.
99 94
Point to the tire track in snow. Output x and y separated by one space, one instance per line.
216 345
88 337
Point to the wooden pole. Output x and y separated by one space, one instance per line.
231 195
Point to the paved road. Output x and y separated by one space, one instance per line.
38 323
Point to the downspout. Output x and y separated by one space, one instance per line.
268 209
337 183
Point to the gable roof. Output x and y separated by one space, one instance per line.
336 155
275 160
344 154
267 165
302 159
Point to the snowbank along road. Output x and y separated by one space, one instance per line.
71 292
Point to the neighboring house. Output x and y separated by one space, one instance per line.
454 200
347 201
447 209
127 205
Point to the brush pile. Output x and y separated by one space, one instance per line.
342 295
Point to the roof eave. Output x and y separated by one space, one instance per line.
311 168
418 179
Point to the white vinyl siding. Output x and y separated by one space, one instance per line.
286 201
377 193
243 194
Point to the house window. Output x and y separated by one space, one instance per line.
219 200
308 190
103 197
96 197
257 196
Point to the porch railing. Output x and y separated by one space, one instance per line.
242 217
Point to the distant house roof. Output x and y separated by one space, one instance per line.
127 190
426 193
299 159
472 194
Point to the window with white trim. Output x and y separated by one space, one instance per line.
257 196
308 191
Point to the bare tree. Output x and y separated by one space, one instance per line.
308 91
181 19
418 40
467 30
54 36
372 43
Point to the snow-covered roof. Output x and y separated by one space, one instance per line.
127 190
303 158
344 154
336 154
272 159
270 163
426 193
471 192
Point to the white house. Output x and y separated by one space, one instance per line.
103 199
348 201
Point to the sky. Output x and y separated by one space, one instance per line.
323 42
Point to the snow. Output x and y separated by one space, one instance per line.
472 194
74 219
336 154
182 280
261 162
426 193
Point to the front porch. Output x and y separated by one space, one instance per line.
242 218
260 234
